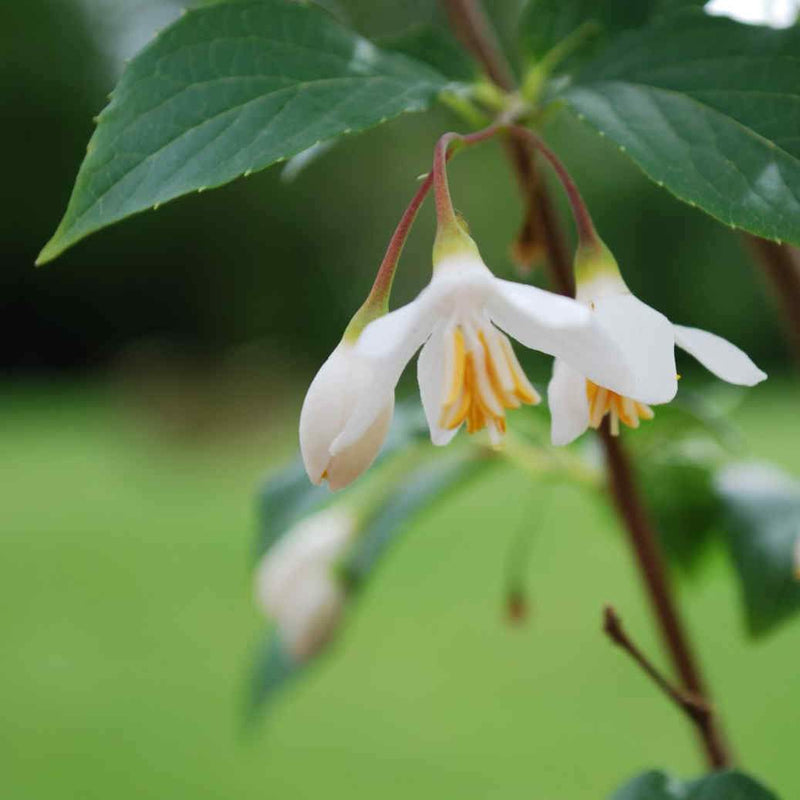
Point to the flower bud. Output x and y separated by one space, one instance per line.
331 399
296 584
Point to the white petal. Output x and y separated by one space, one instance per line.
566 330
647 340
549 310
347 464
327 404
431 374
719 356
569 406
386 345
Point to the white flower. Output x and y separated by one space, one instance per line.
467 371
335 390
296 585
647 339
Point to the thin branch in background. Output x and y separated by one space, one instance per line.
696 708
642 537
781 265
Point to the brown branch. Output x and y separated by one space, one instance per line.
644 543
696 708
781 265
468 20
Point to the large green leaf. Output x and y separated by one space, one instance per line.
763 510
546 24
710 109
228 89
732 785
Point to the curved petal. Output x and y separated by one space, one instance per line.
347 464
538 306
647 340
576 337
431 375
325 408
569 406
719 356
385 347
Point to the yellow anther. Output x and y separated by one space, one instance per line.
620 408
479 389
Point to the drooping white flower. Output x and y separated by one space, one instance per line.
296 585
467 371
341 381
647 339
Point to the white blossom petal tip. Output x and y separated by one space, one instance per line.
719 356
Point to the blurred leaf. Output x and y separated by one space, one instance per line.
681 496
762 506
424 486
708 108
731 785
284 500
433 45
272 669
228 89
391 517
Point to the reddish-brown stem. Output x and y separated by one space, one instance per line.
384 278
587 235
472 26
631 510
781 265
444 209
644 543
445 147
695 708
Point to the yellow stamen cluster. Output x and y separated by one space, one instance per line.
483 380
604 401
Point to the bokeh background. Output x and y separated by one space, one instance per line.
152 376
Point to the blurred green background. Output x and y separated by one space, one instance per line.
152 376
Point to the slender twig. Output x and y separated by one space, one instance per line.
629 503
781 265
696 708
644 543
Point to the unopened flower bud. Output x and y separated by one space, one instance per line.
296 584
342 380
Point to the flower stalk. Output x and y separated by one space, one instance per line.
468 15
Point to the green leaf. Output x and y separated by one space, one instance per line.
762 505
680 494
731 785
229 89
708 108
548 24
430 483
434 46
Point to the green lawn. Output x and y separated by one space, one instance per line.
127 624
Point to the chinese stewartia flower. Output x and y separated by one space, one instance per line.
467 371
647 339
296 584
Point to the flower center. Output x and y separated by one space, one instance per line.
603 401
483 379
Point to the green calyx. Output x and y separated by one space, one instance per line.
373 308
594 260
453 239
